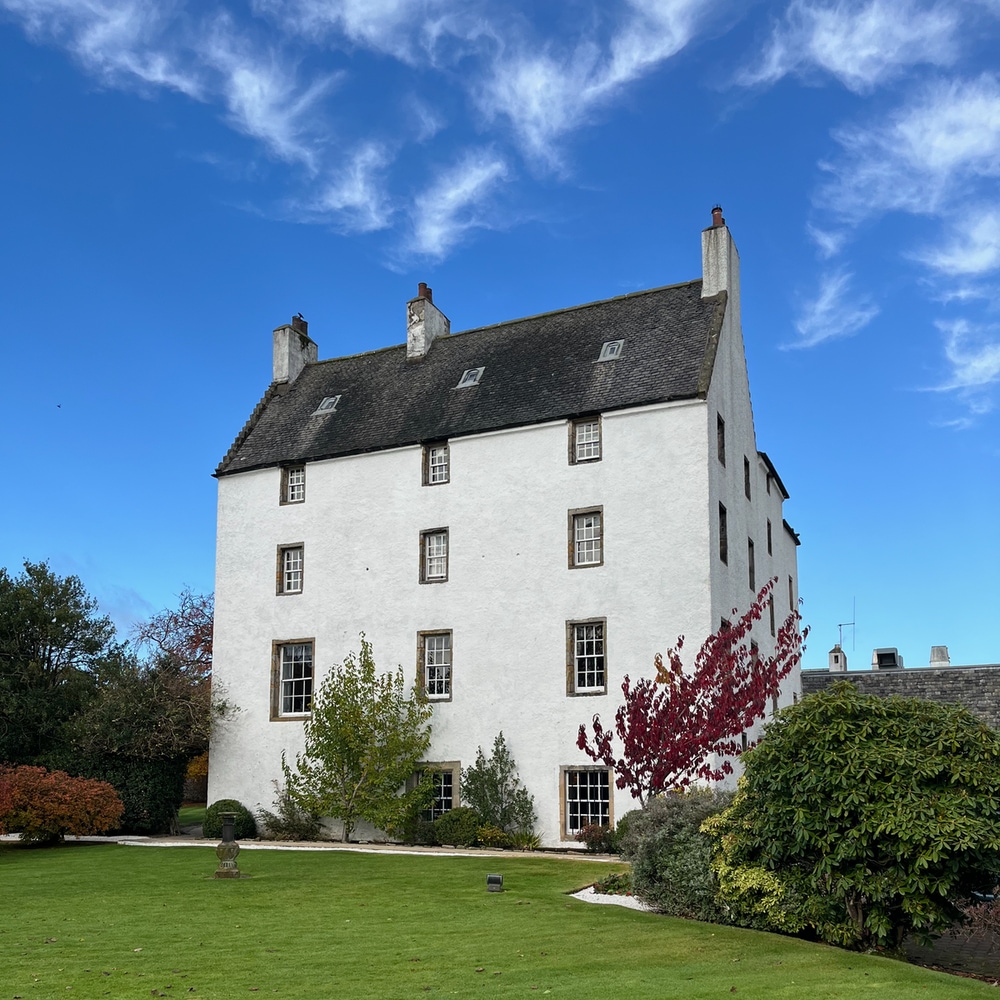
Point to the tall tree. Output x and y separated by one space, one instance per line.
183 633
363 742
687 724
51 639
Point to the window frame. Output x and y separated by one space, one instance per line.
565 811
425 556
582 512
422 686
747 492
723 534
720 438
284 492
278 680
770 540
573 688
471 377
281 577
574 443
449 767
751 566
611 350
428 464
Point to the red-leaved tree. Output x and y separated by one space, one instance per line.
687 724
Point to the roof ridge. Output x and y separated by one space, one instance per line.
520 319
583 305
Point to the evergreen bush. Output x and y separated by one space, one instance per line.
862 818
458 827
671 857
244 825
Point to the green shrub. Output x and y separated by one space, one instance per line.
423 833
291 821
523 840
458 827
598 839
492 787
671 857
615 884
492 837
622 828
863 818
43 806
151 790
244 825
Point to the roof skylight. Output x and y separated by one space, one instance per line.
612 349
329 405
470 377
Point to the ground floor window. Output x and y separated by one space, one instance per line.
293 678
587 799
445 798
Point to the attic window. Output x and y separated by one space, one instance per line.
329 405
470 377
611 349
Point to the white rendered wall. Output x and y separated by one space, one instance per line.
507 599
729 396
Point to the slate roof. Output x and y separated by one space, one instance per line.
538 369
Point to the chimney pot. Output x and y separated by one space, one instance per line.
717 219
300 324
423 292
940 657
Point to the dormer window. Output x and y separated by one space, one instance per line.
329 405
470 377
612 349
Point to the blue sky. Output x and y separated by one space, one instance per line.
178 178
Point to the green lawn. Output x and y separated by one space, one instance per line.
190 815
101 921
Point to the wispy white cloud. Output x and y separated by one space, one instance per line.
833 312
862 43
412 31
119 41
973 352
929 152
455 203
263 96
356 196
545 92
973 247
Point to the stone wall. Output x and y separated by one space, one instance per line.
977 688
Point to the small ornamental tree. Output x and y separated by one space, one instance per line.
43 806
686 724
493 788
363 743
862 818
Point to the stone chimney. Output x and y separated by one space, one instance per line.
838 659
424 323
293 350
940 657
720 261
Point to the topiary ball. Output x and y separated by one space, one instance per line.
244 825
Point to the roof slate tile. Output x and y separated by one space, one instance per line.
537 369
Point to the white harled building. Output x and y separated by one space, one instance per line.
519 515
